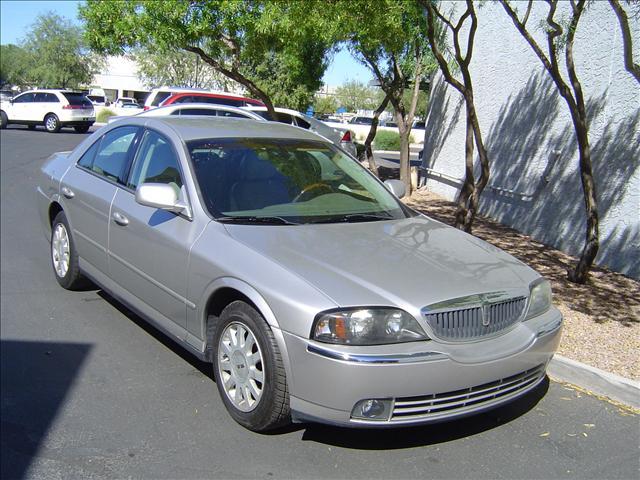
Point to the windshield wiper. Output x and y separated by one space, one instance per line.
355 217
253 219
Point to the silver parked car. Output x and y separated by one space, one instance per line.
315 293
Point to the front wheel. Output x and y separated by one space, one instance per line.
81 129
248 369
3 120
51 123
64 257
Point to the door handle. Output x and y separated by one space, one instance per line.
120 219
67 192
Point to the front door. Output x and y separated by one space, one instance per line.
149 247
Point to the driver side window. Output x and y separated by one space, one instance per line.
156 162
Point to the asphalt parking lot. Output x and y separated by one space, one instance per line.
88 390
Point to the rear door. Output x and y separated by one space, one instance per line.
89 188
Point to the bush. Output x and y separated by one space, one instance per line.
104 114
386 140
359 150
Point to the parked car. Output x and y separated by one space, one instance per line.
159 95
126 102
200 109
52 108
361 120
341 137
98 100
222 98
316 294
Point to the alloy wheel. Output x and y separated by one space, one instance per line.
240 366
60 250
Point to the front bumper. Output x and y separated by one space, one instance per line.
422 381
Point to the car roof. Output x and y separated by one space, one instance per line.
277 109
210 94
194 128
166 109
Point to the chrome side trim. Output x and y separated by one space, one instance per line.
376 359
90 240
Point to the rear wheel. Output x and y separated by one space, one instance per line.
248 369
3 120
82 129
51 123
64 257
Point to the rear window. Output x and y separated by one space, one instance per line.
77 99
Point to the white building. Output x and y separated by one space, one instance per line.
119 78
535 185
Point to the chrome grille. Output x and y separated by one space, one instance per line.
441 404
476 321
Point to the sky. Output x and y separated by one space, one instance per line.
17 15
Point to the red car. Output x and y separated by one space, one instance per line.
218 98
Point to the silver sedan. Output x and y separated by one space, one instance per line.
315 293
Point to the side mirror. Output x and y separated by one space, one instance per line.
396 187
163 196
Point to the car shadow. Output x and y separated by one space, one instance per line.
35 379
366 438
204 367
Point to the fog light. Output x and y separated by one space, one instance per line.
372 409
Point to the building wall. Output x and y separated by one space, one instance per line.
535 184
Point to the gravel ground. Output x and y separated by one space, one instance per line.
602 318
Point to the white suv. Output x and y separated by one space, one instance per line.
52 108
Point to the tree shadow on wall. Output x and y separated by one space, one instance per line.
535 185
437 131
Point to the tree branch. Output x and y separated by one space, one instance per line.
627 42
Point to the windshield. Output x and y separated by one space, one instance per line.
282 181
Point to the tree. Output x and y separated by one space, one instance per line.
354 95
632 67
469 196
388 37
178 68
56 54
264 45
325 104
13 65
558 39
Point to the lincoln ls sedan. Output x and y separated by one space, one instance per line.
316 294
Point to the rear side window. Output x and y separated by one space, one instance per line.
86 160
77 99
303 123
208 112
114 151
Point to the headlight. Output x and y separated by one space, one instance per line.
539 298
366 326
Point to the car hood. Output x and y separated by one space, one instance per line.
409 263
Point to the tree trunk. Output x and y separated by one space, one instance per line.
468 187
372 134
405 170
580 272
482 182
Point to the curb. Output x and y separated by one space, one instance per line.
598 381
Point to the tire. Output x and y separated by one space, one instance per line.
262 401
31 127
52 123
64 256
81 129
4 121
